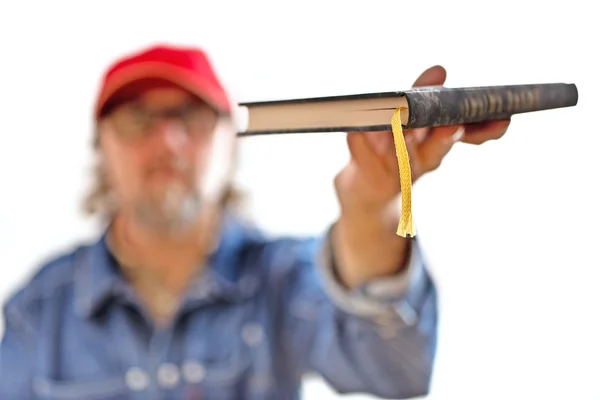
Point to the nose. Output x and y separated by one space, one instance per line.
172 134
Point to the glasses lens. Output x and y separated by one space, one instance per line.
132 122
199 120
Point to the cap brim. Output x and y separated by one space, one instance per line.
202 88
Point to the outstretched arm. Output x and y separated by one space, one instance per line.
364 315
378 338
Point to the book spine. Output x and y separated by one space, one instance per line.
437 106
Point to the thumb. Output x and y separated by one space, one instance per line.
433 76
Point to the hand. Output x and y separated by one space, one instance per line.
365 241
371 180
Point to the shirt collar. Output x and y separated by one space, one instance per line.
98 279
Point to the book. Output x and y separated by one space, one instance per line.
420 107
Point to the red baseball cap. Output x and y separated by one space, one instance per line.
186 67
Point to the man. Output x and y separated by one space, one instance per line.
181 299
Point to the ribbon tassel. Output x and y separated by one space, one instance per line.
405 225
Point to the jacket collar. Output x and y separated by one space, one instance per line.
98 280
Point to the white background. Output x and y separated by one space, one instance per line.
510 228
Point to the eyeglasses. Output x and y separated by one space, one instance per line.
134 122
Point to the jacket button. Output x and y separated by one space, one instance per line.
167 375
137 379
252 334
193 372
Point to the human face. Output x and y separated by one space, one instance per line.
168 156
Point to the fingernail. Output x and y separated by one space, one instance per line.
460 132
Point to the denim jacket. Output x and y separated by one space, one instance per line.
264 313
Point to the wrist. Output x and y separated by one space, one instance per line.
381 219
366 245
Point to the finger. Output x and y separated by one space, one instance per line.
432 76
438 143
363 154
380 141
385 148
412 146
415 135
383 143
482 132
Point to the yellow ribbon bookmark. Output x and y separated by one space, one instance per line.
405 225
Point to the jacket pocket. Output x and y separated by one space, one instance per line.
109 388
237 372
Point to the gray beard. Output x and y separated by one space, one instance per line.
172 214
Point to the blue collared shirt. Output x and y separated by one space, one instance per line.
263 314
